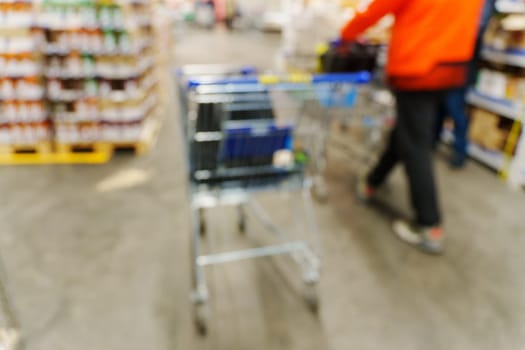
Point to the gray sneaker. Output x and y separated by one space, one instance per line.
429 239
364 192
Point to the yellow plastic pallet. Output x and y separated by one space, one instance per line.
87 153
53 158
148 138
57 156
41 147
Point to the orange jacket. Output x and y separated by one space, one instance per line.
432 40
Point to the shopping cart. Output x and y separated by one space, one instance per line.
247 134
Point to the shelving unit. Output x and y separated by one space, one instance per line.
99 70
24 124
78 79
511 57
503 94
493 160
510 6
501 107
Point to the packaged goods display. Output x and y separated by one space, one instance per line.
23 115
499 94
510 6
487 131
310 25
501 83
99 68
75 71
506 33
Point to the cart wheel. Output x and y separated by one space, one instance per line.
201 318
311 296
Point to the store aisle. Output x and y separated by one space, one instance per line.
99 256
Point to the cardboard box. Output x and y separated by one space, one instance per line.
485 130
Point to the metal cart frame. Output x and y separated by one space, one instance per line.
219 85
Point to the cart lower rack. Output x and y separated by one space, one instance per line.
247 134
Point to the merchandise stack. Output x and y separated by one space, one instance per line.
23 118
311 25
99 70
498 97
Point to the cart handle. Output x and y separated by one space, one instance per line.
243 70
270 79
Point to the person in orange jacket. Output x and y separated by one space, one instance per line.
432 43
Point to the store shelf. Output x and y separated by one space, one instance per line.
107 72
67 95
23 120
27 2
74 117
32 72
494 160
113 27
509 56
130 116
21 98
118 43
145 138
121 72
83 2
53 49
501 107
507 6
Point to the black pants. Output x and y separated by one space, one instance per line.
411 143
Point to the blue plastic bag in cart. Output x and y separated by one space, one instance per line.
336 95
248 146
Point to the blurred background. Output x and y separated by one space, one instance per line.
113 141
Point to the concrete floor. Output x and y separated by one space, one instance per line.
98 256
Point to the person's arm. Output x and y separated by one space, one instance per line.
375 11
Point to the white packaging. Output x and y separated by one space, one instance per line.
10 112
310 25
23 112
41 132
16 134
5 136
7 89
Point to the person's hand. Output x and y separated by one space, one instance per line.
362 40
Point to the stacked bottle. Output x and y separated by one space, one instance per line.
99 69
23 117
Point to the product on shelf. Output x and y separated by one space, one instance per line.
23 113
495 37
311 25
503 34
500 93
308 25
99 68
77 132
487 131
